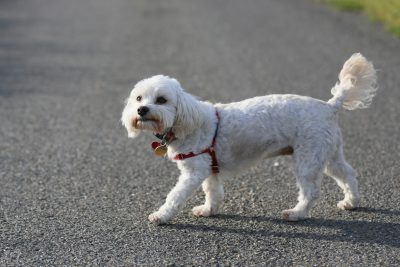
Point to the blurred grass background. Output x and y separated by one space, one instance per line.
384 11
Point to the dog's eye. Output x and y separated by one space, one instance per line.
161 100
139 98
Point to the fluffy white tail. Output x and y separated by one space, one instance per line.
357 84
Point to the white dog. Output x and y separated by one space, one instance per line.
211 142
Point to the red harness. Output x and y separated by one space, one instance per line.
210 150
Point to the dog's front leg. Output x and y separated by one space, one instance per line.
214 191
188 182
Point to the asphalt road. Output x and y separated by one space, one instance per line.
76 191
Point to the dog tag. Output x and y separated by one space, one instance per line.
161 150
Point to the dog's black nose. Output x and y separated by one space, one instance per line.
142 110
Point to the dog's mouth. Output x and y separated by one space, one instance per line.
146 119
151 124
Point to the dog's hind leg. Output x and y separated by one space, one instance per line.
309 163
214 191
345 176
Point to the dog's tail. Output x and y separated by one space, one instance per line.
356 86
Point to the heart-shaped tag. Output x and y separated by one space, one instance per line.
154 145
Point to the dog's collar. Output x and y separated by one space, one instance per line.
161 149
210 150
166 137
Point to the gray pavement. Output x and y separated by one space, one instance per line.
75 191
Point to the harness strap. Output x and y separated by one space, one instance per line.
210 150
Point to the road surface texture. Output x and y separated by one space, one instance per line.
76 191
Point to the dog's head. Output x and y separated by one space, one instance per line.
158 103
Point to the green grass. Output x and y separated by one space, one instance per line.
346 5
384 11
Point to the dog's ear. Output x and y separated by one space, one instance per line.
189 115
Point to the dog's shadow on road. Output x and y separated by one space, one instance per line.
365 231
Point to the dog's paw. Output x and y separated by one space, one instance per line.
348 205
203 211
156 218
294 215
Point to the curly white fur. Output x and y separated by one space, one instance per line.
249 131
357 84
